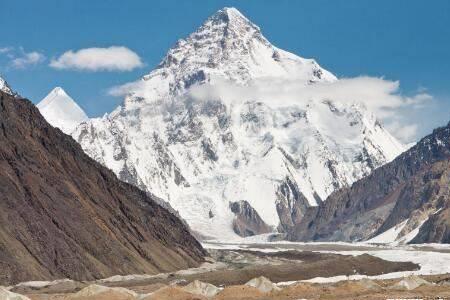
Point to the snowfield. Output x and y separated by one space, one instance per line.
431 263
432 258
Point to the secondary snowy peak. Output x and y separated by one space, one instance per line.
4 87
195 133
61 111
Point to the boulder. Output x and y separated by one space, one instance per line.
263 284
202 288
7 295
99 292
410 283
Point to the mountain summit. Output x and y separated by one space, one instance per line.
230 44
227 47
61 111
209 130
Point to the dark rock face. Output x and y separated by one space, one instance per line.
436 229
247 221
416 183
64 215
291 204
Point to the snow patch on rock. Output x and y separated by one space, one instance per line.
4 87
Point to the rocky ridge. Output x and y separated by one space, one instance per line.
411 194
63 215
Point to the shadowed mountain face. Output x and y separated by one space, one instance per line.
64 215
247 221
415 188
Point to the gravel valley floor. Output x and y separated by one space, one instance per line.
280 270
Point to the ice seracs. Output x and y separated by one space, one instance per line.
200 131
61 111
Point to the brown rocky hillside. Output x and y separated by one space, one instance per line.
64 215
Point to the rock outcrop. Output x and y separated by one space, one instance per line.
263 284
202 288
99 292
7 295
247 221
410 283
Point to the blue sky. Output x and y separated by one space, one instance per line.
405 40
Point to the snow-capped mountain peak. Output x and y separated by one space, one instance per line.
229 24
61 111
201 155
231 18
226 47
228 15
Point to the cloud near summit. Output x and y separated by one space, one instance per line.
379 95
114 58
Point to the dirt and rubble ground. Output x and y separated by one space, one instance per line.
333 291
231 269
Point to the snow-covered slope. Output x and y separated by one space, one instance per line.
4 87
61 111
200 132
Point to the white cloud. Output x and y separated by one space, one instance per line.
6 50
379 95
26 59
136 87
114 58
404 132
